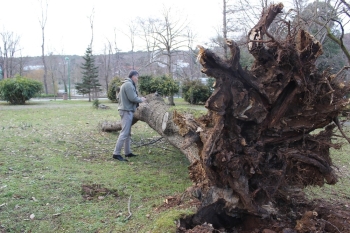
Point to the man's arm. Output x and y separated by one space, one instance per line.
131 94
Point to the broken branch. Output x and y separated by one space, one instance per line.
130 214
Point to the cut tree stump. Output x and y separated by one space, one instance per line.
256 148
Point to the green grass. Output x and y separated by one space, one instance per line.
165 224
339 192
49 149
182 106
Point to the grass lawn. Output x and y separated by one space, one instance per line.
50 150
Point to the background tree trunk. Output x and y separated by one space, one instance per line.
42 22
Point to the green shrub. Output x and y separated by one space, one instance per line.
164 85
95 103
168 86
19 89
195 92
145 84
113 87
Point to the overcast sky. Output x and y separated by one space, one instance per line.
68 28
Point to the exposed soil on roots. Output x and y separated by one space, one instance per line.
299 216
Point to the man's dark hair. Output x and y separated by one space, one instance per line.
132 73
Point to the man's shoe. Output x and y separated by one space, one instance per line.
119 157
130 155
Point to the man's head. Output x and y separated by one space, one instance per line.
134 76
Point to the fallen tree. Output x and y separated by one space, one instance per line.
256 148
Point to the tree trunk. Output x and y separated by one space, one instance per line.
253 151
155 112
42 24
171 100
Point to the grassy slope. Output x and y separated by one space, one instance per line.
49 149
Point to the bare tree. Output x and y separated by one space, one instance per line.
299 5
117 57
320 17
105 61
21 63
241 15
237 16
186 66
53 66
169 32
326 20
191 55
338 16
91 20
42 22
62 73
10 43
145 33
131 34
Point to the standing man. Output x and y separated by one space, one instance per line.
128 102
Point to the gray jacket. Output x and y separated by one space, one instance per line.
127 97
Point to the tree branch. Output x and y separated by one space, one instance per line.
130 214
335 39
336 121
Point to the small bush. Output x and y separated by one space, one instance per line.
164 85
195 92
145 84
19 89
113 87
95 103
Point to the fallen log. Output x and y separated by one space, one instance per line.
256 143
155 112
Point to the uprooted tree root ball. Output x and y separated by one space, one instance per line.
255 149
297 215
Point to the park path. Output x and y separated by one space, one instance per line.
44 103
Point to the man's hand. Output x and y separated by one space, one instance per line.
143 99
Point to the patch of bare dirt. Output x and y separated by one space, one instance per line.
96 191
182 201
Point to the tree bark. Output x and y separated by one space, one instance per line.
255 146
44 61
155 112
